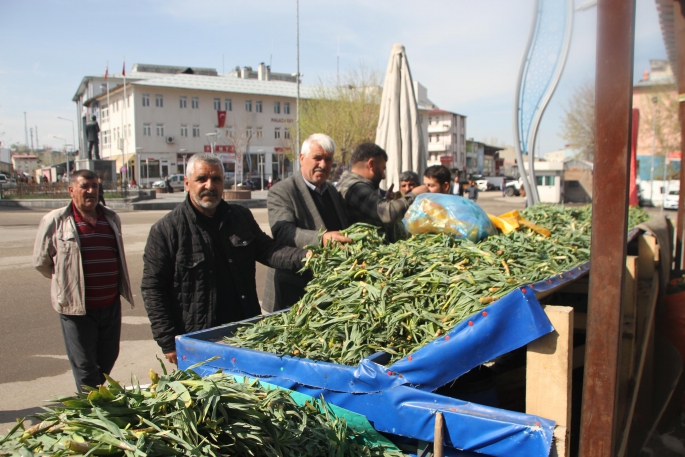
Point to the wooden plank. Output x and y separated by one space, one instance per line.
561 442
648 292
669 365
549 368
648 253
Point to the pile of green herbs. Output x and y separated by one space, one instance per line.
187 415
370 296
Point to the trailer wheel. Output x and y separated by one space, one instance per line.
510 191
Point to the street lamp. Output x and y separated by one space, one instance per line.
65 152
213 143
73 129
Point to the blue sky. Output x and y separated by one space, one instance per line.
467 53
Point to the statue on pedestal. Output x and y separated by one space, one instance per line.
93 137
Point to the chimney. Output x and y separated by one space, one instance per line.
262 72
645 75
243 72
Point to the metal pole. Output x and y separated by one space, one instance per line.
26 132
613 103
296 163
679 33
651 177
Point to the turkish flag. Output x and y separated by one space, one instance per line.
222 118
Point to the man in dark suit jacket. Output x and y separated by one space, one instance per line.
300 208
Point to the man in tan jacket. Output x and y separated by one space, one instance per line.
81 249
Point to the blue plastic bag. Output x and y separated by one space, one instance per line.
443 213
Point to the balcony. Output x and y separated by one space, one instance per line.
438 147
439 128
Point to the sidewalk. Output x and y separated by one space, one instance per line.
161 202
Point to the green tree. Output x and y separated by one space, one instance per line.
347 111
578 128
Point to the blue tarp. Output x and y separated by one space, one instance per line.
396 399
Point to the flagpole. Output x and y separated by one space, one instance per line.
123 126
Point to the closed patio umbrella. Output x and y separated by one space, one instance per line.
399 126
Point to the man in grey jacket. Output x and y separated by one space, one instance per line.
301 208
80 248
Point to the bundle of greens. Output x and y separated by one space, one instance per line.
370 296
187 415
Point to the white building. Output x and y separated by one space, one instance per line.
24 163
152 124
162 115
550 181
446 139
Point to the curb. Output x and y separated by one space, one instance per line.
114 204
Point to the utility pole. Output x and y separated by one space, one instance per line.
296 162
31 131
26 132
37 145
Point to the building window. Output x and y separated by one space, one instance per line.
194 103
105 138
248 105
228 105
146 99
183 101
159 101
259 132
549 181
147 130
217 104
286 133
286 107
258 106
277 107
229 132
103 87
184 130
196 131
160 129
277 132
248 132
104 113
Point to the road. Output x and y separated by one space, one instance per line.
33 361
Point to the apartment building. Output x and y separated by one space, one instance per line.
25 163
446 139
153 124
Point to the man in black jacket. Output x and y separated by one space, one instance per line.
199 261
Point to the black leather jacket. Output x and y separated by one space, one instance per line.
179 282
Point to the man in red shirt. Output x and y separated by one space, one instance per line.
81 249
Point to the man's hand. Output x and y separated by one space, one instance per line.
335 236
389 194
419 190
171 357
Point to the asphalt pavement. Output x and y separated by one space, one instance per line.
33 362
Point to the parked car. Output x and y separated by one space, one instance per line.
3 179
671 200
484 185
176 182
514 187
256 183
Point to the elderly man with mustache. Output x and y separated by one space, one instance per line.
301 208
199 261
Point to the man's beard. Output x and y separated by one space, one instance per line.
197 198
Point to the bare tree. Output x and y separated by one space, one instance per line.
578 127
661 123
239 134
347 112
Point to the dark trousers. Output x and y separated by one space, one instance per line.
289 288
96 145
92 343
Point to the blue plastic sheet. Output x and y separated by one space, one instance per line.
451 214
396 398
